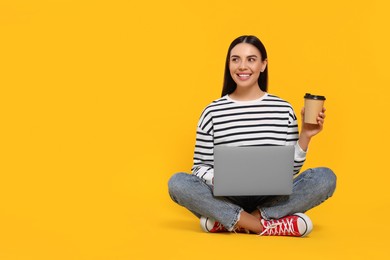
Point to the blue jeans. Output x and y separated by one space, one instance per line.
310 189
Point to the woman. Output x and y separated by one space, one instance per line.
247 115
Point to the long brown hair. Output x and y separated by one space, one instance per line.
228 84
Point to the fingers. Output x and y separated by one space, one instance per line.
320 120
321 116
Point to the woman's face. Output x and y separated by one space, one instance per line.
246 64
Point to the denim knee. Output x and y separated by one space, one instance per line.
176 186
328 180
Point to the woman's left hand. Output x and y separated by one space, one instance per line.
310 130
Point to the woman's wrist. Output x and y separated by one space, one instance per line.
304 141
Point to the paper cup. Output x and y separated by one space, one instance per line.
313 106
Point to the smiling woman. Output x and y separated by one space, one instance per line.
246 115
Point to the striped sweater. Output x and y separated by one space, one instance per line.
268 120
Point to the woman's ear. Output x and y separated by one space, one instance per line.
264 66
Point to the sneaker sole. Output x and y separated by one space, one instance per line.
309 224
204 222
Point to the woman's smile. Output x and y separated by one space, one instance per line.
243 76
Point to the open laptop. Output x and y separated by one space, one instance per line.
253 170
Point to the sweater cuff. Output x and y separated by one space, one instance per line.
299 152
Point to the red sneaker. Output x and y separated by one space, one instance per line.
212 226
297 225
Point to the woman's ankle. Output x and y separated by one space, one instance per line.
256 213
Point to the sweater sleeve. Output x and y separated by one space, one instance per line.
292 139
203 166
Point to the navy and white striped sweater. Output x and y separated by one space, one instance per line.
268 120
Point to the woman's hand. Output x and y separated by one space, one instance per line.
310 130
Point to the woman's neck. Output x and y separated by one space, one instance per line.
241 94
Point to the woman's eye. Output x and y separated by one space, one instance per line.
252 59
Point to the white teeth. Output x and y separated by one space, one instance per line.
243 75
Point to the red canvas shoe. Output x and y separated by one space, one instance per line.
297 225
212 226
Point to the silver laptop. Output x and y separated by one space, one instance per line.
253 170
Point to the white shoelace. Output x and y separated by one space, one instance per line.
285 226
240 230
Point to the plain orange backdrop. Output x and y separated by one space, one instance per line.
99 102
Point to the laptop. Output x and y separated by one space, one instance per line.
253 170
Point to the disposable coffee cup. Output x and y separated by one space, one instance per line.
313 106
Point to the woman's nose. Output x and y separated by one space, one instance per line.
242 66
